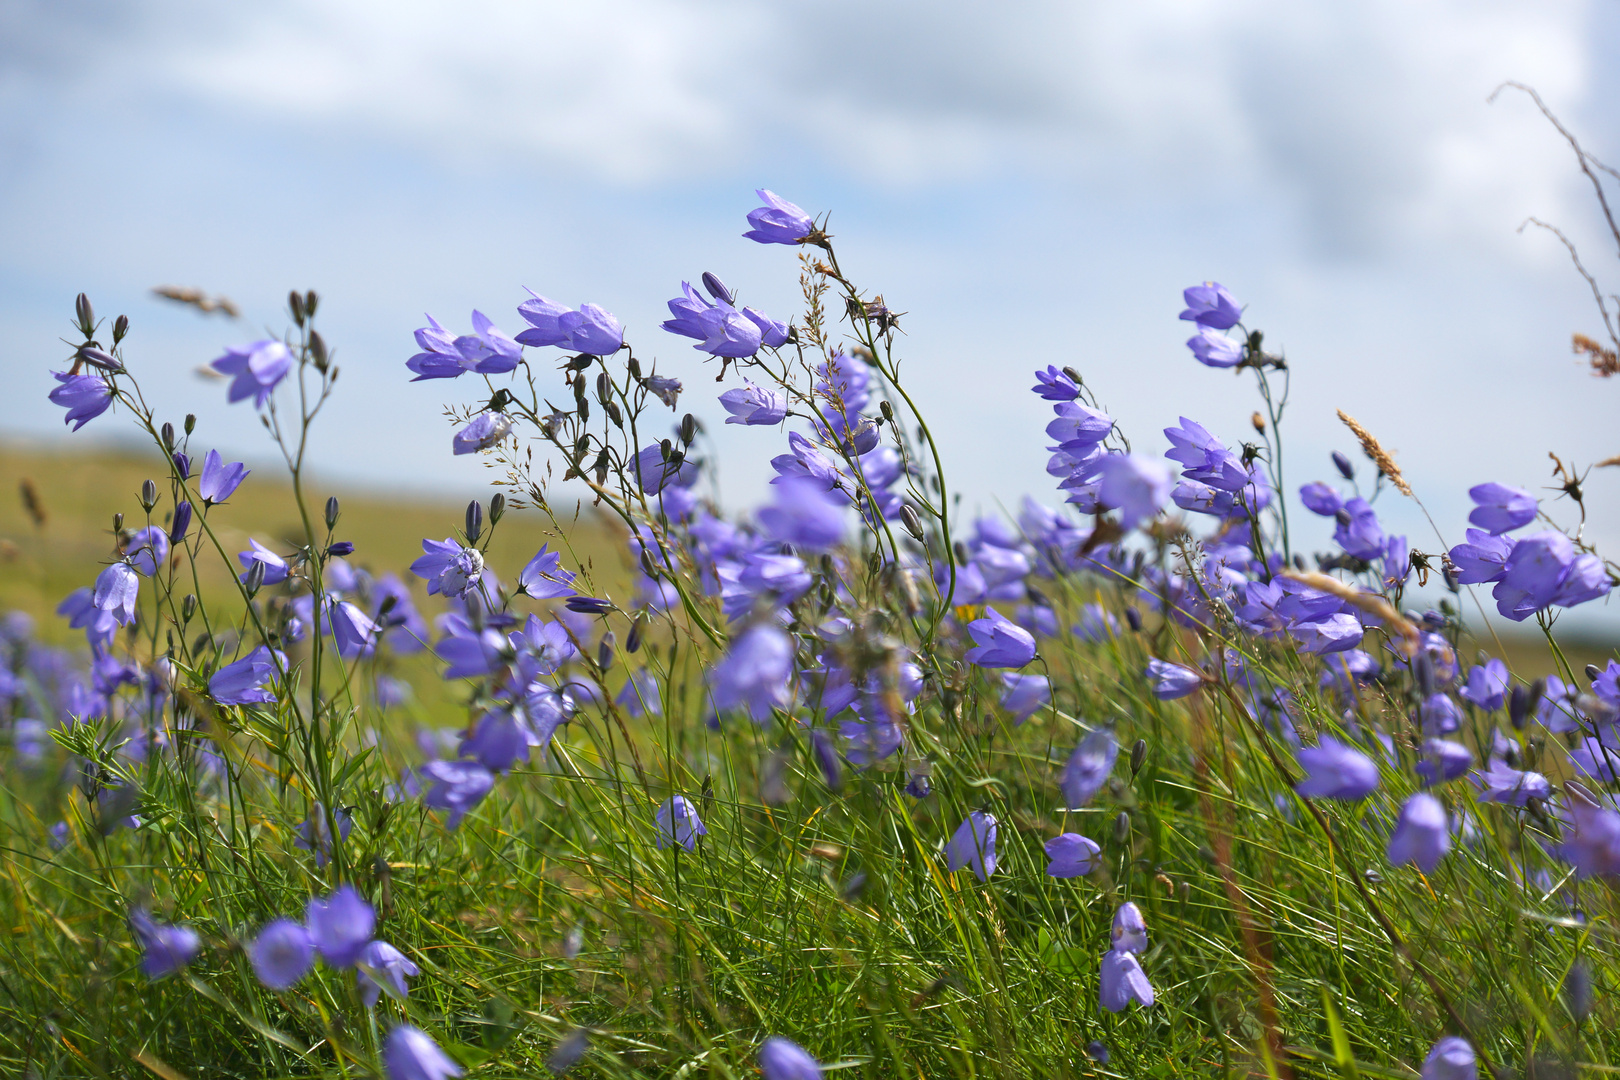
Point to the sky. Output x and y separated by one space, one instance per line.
1034 184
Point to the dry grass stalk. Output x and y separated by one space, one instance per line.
1371 603
1604 361
1377 453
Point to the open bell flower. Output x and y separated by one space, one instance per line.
282 954
85 397
165 949
1122 982
778 221
678 823
340 926
409 1053
1336 771
1422 834
783 1059
256 369
999 642
974 845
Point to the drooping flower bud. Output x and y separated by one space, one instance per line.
689 428
1138 757
191 422
604 651
188 608
913 524
181 523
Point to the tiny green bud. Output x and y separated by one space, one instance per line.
120 328
168 436
1138 757
118 523
689 428
1122 827
191 422
497 509
295 304
317 351
311 301
188 608
886 409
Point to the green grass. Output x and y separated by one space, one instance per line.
690 959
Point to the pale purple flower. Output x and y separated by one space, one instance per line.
772 333
999 642
1422 834
1319 498
1089 767
544 578
678 823
486 430
1170 681
457 786
781 1059
352 629
1334 770
1487 685
974 845
1451 1058
1129 932
275 567
181 523
1054 385
640 695
383 967
147 548
256 369
590 330
1443 760
1122 981
1021 695
486 351
1136 485
282 954
1214 349
654 473
1499 782
1482 558
666 390
410 1054
755 672
219 479
85 397
165 949
449 568
1071 855
1592 844
803 515
778 221
116 590
1211 305
1501 508
1078 426
340 926
754 405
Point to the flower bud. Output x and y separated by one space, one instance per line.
85 314
1423 675
604 651
1258 422
311 301
665 448
1592 672
1138 757
717 289
181 523
475 521
632 643
603 461
613 413
332 511
1578 990
581 362
120 328
497 509
191 422
346 547
1342 463
1122 827
255 579
604 387
295 304
1134 618
317 351
648 567
689 428
188 608
634 367
95 357
167 431
913 525
118 523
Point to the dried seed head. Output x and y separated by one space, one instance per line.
1258 422
1380 457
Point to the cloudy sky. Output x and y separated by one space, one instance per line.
1034 183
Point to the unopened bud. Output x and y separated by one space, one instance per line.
255 578
333 509
648 567
86 314
613 413
604 651
1122 827
317 351
120 328
717 289
181 523
475 521
1134 618
1074 376
634 367
632 643
295 304
1258 422
689 427
1342 463
311 302
581 362
887 410
665 448
1592 672
603 460
191 422
961 551
1138 757
604 387
497 509
167 431
118 523
188 608
913 524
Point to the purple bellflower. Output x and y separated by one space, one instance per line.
999 642
147 548
755 672
1170 681
654 472
678 823
1592 844
1021 695
1499 782
974 845
1500 508
1054 385
165 949
1129 932
411 1054
1211 305
590 330
1089 767
754 405
487 429
1334 770
181 523
640 695
341 925
85 397
449 568
1122 981
457 786
778 221
219 480
1443 760
666 390
1214 349
1451 1058
383 967
1071 855
486 351
116 590
544 578
248 680
781 1059
803 515
1487 685
275 567
1136 485
256 369
1422 834
282 954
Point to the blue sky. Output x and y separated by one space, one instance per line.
1034 183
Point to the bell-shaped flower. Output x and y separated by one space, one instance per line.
974 845
803 515
1487 685
1499 782
1122 981
754 405
1443 760
999 642
275 567
1451 1058
255 369
1129 932
85 397
487 429
1055 385
1170 681
677 822
165 948
1211 305
247 681
590 330
778 221
116 590
1071 855
1422 834
411 1054
1214 349
383 967
282 954
544 578
1499 508
449 568
219 479
1021 695
1334 770
781 1059
456 786
755 672
1136 485
147 548
1089 767
340 926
